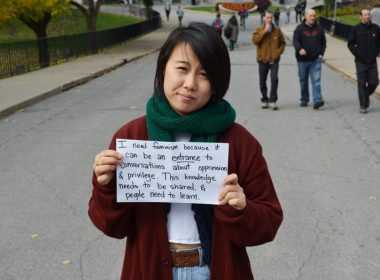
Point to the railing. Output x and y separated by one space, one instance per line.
338 29
24 56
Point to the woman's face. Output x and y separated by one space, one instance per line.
186 85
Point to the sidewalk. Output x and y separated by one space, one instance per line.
23 90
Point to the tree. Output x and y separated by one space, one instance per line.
36 14
91 14
262 4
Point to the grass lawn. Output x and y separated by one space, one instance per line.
273 8
211 9
349 19
66 24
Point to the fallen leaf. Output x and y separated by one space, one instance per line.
34 235
66 262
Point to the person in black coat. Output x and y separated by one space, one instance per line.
309 42
364 44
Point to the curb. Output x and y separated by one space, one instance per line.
69 85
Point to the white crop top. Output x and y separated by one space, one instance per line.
181 224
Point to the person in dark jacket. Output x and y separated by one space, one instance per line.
309 42
277 17
364 44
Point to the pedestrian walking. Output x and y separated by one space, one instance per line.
180 14
270 44
299 11
309 42
243 14
233 25
287 14
197 241
218 24
277 17
167 10
364 44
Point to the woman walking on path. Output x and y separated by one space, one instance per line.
234 26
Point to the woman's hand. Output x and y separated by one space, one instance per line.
232 194
105 165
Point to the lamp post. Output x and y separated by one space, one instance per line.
334 19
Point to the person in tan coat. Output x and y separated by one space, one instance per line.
270 44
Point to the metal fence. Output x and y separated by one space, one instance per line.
338 29
24 56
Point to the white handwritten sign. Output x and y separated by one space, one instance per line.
183 172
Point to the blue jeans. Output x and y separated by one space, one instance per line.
201 272
312 69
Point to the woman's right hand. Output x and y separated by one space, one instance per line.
105 165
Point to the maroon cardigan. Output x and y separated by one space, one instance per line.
147 250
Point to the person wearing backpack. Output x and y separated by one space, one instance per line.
232 25
218 24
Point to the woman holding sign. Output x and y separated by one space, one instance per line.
179 240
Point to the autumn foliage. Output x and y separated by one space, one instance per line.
232 6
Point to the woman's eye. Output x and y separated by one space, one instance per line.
203 74
182 68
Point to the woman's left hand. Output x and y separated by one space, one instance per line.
232 194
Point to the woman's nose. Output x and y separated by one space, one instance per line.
190 81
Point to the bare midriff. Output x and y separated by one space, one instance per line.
180 246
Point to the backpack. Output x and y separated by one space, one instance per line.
228 31
217 24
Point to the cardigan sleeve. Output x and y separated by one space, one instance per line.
112 218
259 221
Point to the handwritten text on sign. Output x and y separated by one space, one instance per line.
183 172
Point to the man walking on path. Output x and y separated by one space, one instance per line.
270 45
364 44
309 42
287 13
277 17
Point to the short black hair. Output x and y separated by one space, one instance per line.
210 50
